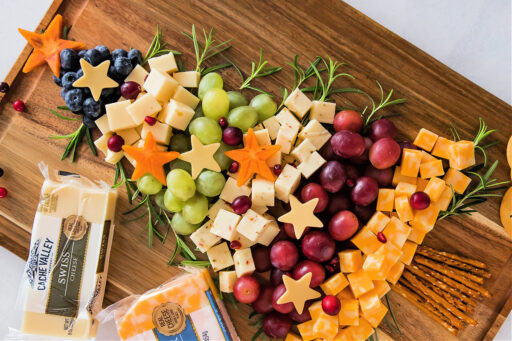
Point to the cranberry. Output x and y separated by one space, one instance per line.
234 167
18 105
232 136
115 143
277 169
150 120
130 90
4 87
334 265
350 183
331 305
381 237
3 192
223 122
419 200
235 244
241 204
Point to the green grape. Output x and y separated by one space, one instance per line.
195 209
206 130
243 117
148 184
181 184
264 105
180 164
210 183
236 99
222 159
181 226
159 199
211 80
172 203
215 104
180 143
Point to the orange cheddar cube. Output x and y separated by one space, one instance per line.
457 180
417 235
381 288
431 169
393 214
306 330
335 284
445 199
377 222
369 301
462 154
411 160
404 188
374 317
346 294
385 199
396 232
360 283
393 252
425 139
403 208
441 148
292 337
421 184
408 251
435 188
350 260
425 219
395 272
315 310
326 326
374 262
426 157
398 177
349 313
361 332
366 241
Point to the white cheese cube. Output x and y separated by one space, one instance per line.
274 159
323 111
224 224
286 118
258 126
113 157
161 132
287 182
160 85
315 132
311 164
262 192
220 256
203 238
262 137
101 143
259 209
303 150
244 242
270 231
251 225
272 125
165 63
138 75
184 96
298 102
147 105
130 136
216 207
227 281
285 138
187 79
102 124
118 116
244 264
231 191
178 115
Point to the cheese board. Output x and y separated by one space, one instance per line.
436 97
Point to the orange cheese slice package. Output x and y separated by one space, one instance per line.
187 307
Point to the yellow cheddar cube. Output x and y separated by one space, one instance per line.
377 222
385 199
421 185
361 332
441 148
395 272
396 232
408 251
427 157
404 188
411 160
403 208
398 177
292 337
360 283
381 288
326 326
462 154
349 313
345 294
366 241
393 214
375 316
417 235
435 188
306 330
425 139
315 310
431 169
445 199
457 180
335 284
425 219
350 260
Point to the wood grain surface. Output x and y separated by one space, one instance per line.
436 96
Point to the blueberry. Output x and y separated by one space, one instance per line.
69 60
112 73
104 52
57 81
135 57
79 73
74 99
88 122
107 92
87 92
93 57
63 92
68 79
118 53
81 53
123 66
91 107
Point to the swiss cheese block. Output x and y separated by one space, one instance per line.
287 182
398 177
350 260
360 283
403 208
244 264
462 154
288 121
385 199
395 272
231 191
130 136
349 313
311 164
161 132
262 137
146 105
431 169
219 256
445 199
441 148
138 75
376 315
272 125
408 251
315 132
435 188
262 192
323 111
118 116
160 85
252 225
457 180
227 280
298 103
225 224
101 143
425 139
366 241
165 63
178 115
203 238
270 231
377 222
244 242
425 219
187 79
286 138
184 96
404 188
411 160
335 284
303 150
103 125
396 232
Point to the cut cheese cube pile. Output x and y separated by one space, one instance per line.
164 96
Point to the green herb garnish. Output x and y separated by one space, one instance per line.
482 133
257 71
157 47
74 141
392 315
121 179
384 102
324 89
196 263
63 117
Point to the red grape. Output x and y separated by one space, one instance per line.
333 266
241 204
305 316
363 158
223 122
317 272
312 191
343 225
347 144
246 289
352 172
382 128
130 90
333 176
348 120
365 191
290 231
261 257
327 153
284 308
419 200
339 202
364 213
282 235
284 255
331 305
384 153
276 325
318 246
383 177
276 276
232 136
263 305
115 143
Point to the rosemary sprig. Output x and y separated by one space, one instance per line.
120 179
301 75
75 139
180 247
392 314
482 133
157 47
384 102
62 117
323 89
196 263
257 71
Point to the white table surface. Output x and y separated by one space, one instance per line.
473 37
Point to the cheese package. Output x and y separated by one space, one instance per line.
66 272
187 307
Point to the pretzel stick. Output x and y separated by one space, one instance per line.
459 286
454 301
454 263
470 261
448 269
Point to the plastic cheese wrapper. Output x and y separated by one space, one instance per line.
65 276
185 308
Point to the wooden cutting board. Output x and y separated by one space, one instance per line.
435 96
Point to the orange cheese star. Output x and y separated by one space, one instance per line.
150 159
47 46
252 159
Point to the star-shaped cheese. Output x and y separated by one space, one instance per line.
47 46
150 159
253 159
201 156
95 78
298 291
301 215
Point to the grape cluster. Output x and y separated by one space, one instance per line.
80 100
